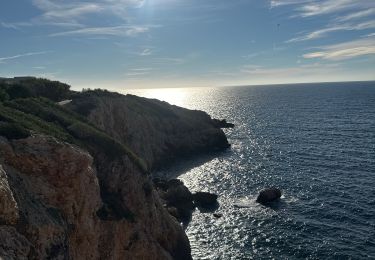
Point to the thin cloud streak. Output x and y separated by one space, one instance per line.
4 59
122 30
259 70
356 15
72 9
346 50
333 6
146 52
277 3
324 32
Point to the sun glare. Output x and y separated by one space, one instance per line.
174 96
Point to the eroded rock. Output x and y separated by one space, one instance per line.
8 206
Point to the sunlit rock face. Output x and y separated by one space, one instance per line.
60 202
158 132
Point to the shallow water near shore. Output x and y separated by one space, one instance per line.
316 142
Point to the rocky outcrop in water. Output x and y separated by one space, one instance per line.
180 202
205 199
268 195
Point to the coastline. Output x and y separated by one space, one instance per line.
75 179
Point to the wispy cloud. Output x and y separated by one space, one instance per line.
75 14
15 25
135 74
356 15
277 3
122 30
323 7
300 70
63 11
142 69
39 67
307 8
146 52
334 28
346 50
4 59
9 25
173 61
77 10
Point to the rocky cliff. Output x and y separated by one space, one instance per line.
158 132
76 188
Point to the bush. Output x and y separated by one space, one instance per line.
19 91
3 95
13 130
34 87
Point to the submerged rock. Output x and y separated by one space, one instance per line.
268 195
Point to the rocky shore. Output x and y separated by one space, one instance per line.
76 182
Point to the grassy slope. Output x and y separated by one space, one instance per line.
22 117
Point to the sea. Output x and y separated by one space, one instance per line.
316 142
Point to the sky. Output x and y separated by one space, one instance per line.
119 44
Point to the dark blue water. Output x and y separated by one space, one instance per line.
315 142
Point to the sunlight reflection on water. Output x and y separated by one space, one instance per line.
316 144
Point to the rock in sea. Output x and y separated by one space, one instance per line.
268 195
205 199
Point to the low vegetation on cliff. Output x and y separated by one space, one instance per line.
29 107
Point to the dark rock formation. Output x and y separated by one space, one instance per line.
177 197
205 199
222 123
180 202
268 195
217 215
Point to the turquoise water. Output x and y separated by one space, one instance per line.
314 141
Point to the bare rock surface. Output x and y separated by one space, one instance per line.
58 192
8 205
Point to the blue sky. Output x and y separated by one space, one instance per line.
180 43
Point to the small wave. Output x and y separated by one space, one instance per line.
245 203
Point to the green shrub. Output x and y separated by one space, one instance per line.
3 95
19 91
36 87
13 130
41 115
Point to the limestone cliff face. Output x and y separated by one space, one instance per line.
57 202
155 130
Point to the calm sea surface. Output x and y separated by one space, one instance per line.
314 141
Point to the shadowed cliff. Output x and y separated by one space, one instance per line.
158 132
